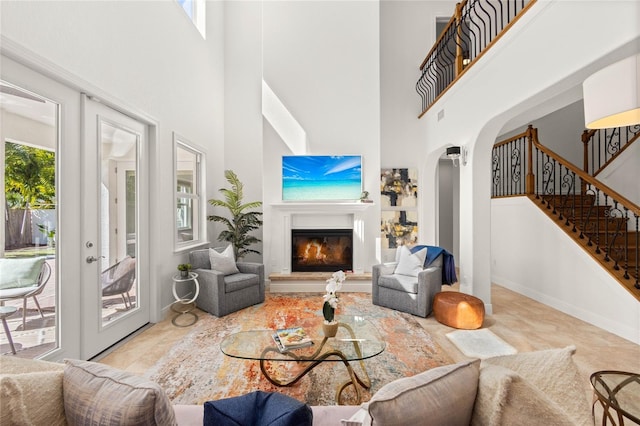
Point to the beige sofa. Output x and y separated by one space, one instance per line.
534 388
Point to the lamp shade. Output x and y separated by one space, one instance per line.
612 95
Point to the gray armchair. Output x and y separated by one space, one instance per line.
221 295
413 295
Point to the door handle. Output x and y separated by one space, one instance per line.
91 259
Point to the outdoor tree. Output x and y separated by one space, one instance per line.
29 179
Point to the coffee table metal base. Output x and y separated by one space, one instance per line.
317 358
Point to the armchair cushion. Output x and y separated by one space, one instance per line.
18 273
239 281
224 262
410 264
398 282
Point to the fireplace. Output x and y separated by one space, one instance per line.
321 250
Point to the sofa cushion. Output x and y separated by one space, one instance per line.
554 376
410 263
98 394
359 418
31 392
224 262
443 395
18 273
257 409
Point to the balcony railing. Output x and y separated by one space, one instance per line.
606 223
476 25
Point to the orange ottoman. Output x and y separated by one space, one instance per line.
458 310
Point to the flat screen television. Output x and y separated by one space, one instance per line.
321 177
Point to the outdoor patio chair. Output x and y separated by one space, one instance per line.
118 280
22 279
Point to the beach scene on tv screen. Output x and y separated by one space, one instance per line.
321 177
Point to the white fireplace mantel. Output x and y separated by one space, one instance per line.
288 211
323 207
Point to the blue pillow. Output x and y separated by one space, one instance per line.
257 409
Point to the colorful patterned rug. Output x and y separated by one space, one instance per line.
195 370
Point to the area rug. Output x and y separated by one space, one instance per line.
480 343
195 370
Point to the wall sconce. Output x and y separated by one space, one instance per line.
612 95
457 154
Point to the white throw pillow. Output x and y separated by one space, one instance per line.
441 396
410 264
224 262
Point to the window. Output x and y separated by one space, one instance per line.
189 190
195 10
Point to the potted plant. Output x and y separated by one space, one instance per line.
184 269
334 284
49 233
242 220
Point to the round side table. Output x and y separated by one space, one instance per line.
184 306
7 311
618 392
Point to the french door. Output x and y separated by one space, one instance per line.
115 299
99 289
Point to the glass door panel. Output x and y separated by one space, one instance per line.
118 218
116 292
29 131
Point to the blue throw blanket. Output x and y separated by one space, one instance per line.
448 263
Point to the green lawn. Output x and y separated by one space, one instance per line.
31 252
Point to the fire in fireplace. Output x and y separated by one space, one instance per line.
321 250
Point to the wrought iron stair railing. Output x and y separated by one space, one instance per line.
602 146
602 221
471 31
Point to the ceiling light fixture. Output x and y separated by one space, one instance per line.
612 95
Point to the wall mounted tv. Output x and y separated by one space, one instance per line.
321 177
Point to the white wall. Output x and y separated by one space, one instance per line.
146 57
561 131
535 63
321 59
624 174
540 261
407 33
243 147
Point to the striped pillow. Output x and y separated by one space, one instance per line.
96 394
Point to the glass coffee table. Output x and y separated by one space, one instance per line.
618 391
357 340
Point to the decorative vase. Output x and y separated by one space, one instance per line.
330 328
184 274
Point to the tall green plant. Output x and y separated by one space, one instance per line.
242 220
29 180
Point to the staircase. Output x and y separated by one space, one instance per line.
597 227
596 217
